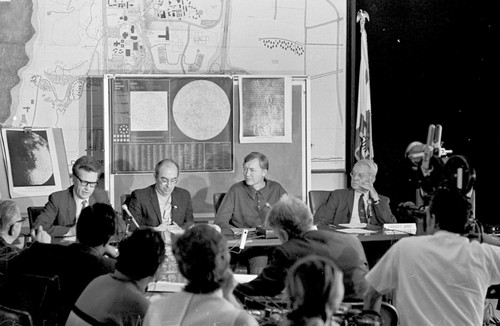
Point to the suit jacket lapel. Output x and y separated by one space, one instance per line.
350 202
154 202
92 200
175 204
71 207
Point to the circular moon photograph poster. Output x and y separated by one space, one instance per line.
201 110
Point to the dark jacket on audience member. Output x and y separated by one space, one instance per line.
75 265
344 249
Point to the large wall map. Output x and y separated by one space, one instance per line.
77 39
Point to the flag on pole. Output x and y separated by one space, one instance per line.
363 142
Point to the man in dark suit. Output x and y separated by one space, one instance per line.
62 210
162 204
359 204
291 219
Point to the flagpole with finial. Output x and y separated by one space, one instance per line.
363 144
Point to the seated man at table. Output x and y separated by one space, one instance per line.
63 209
118 298
441 278
162 204
76 264
359 204
246 204
207 299
291 219
10 230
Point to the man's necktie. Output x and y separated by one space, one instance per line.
362 210
84 203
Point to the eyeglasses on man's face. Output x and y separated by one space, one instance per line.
85 183
359 175
169 181
21 220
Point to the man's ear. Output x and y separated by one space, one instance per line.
283 235
11 230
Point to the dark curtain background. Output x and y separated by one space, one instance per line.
435 61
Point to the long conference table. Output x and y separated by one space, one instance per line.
378 236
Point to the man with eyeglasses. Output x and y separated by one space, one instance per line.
64 207
359 204
11 223
162 204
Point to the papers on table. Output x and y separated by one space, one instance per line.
354 225
163 286
244 278
356 231
239 231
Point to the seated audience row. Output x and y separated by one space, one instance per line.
74 265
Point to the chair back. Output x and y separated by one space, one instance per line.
124 199
317 198
33 213
39 296
14 317
388 313
217 198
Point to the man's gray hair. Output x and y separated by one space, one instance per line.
372 166
8 209
291 215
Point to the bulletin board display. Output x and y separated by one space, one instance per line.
289 162
186 119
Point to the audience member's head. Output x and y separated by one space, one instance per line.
290 215
202 257
415 153
166 176
364 171
141 254
10 220
96 225
315 289
450 210
86 171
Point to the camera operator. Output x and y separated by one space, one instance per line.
441 278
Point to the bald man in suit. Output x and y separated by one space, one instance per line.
162 204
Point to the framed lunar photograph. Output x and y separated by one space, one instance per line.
265 109
31 162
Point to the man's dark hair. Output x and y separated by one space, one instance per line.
141 254
195 252
451 209
263 161
88 164
96 225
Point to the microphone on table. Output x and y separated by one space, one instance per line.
125 208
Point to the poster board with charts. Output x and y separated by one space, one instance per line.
289 162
